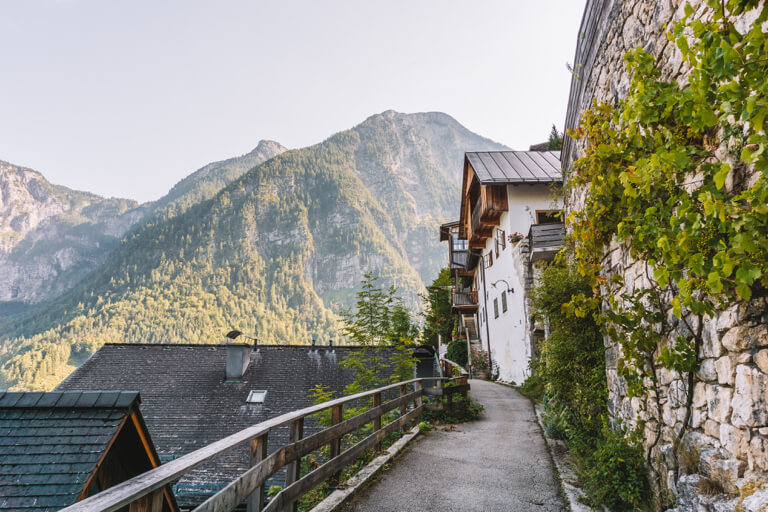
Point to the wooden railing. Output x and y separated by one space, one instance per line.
251 484
464 299
545 240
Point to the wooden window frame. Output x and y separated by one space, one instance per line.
504 306
496 307
544 212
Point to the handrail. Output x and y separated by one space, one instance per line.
131 490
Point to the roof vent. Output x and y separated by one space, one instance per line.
257 396
238 358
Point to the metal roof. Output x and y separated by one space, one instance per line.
499 167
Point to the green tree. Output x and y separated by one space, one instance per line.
555 141
438 317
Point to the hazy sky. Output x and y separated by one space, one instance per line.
125 98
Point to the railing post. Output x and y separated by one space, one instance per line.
404 407
419 387
334 449
258 453
377 419
294 468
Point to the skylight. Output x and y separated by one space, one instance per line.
257 396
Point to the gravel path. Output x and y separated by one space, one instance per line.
498 463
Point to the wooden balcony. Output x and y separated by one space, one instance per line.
545 240
486 213
465 302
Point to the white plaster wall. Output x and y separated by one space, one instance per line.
510 332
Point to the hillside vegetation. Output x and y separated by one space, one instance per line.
278 251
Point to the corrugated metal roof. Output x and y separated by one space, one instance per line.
498 167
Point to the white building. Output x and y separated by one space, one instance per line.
509 221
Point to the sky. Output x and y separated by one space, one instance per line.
125 98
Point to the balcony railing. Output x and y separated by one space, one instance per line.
546 240
491 203
465 300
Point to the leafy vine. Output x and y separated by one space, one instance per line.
674 176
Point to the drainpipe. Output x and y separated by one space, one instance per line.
485 300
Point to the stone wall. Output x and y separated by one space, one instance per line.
725 446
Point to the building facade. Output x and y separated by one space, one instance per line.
508 227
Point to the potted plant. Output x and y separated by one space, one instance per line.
515 237
480 365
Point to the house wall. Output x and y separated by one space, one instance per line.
510 333
726 440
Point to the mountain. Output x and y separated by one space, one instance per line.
207 181
52 236
279 251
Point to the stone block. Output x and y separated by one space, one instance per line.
724 367
698 417
761 360
712 428
741 338
758 451
708 371
750 398
721 470
678 394
719 402
688 494
728 318
756 502
699 395
711 345
735 440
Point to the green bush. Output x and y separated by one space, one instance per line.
569 377
615 474
457 351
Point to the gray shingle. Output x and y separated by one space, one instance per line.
48 449
187 404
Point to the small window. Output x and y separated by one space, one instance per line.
504 301
501 239
548 216
495 308
257 396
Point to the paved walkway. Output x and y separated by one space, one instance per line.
498 463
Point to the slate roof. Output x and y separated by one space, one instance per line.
50 444
500 167
187 404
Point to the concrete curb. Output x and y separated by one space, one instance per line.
340 496
559 454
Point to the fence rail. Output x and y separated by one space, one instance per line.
250 485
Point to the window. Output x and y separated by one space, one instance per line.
488 259
549 216
495 308
257 396
504 301
501 240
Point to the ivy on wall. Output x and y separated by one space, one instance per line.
674 174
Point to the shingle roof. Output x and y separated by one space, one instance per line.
499 167
187 404
50 444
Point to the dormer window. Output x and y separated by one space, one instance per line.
257 396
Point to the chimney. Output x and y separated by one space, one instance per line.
238 357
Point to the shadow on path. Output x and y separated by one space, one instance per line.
498 463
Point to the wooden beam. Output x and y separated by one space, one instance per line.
294 468
377 418
258 454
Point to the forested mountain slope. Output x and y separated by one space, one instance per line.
52 236
275 252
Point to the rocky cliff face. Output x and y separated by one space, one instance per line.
50 236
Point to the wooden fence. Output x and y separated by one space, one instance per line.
251 484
